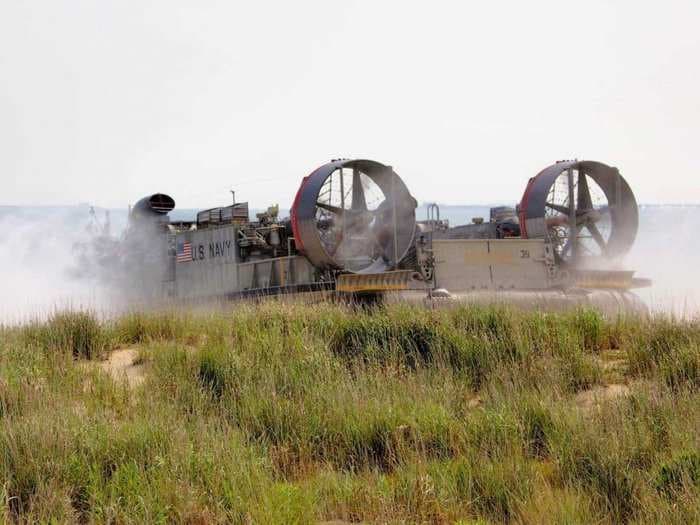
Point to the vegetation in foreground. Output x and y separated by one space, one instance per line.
281 413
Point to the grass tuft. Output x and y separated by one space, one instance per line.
76 332
682 470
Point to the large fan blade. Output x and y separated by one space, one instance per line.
570 240
584 194
573 241
358 193
598 237
383 208
333 209
558 207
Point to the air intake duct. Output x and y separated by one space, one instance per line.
153 205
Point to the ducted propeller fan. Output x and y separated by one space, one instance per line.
585 209
354 215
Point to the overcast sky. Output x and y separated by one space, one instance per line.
107 101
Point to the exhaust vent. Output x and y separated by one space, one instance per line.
158 204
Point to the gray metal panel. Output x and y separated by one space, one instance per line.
536 228
518 264
280 271
213 268
461 264
470 264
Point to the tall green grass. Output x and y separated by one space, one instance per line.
293 413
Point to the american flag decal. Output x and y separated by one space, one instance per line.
184 251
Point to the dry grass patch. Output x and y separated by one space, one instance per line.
297 413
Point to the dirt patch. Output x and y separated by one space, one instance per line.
123 365
595 396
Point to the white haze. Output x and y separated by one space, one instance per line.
38 264
668 252
40 268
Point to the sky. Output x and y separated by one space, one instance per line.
104 102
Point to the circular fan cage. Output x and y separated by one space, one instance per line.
585 209
355 216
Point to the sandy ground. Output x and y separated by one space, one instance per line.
593 398
123 365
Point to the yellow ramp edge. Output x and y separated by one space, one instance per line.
375 282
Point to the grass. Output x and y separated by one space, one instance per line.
293 413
